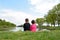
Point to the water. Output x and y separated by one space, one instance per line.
17 29
22 29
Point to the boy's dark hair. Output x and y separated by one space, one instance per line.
33 21
26 19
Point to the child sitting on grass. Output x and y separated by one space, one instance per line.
33 27
26 25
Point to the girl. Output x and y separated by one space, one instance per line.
33 26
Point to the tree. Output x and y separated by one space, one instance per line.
57 11
53 15
47 19
40 21
6 25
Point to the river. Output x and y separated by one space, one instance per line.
19 29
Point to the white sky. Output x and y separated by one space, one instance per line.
39 6
43 6
16 17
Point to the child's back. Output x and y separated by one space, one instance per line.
33 27
26 26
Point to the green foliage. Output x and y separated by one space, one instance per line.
40 21
6 25
51 18
52 35
53 15
57 11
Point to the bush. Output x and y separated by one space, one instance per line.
4 25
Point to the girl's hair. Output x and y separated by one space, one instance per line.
33 21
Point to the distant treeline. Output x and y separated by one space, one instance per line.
6 25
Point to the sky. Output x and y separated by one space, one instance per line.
16 11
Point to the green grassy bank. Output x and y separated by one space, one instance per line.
52 35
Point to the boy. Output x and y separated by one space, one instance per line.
26 25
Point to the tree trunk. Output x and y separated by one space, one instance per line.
58 24
54 24
48 24
51 24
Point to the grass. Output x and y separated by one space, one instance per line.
52 35
50 28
